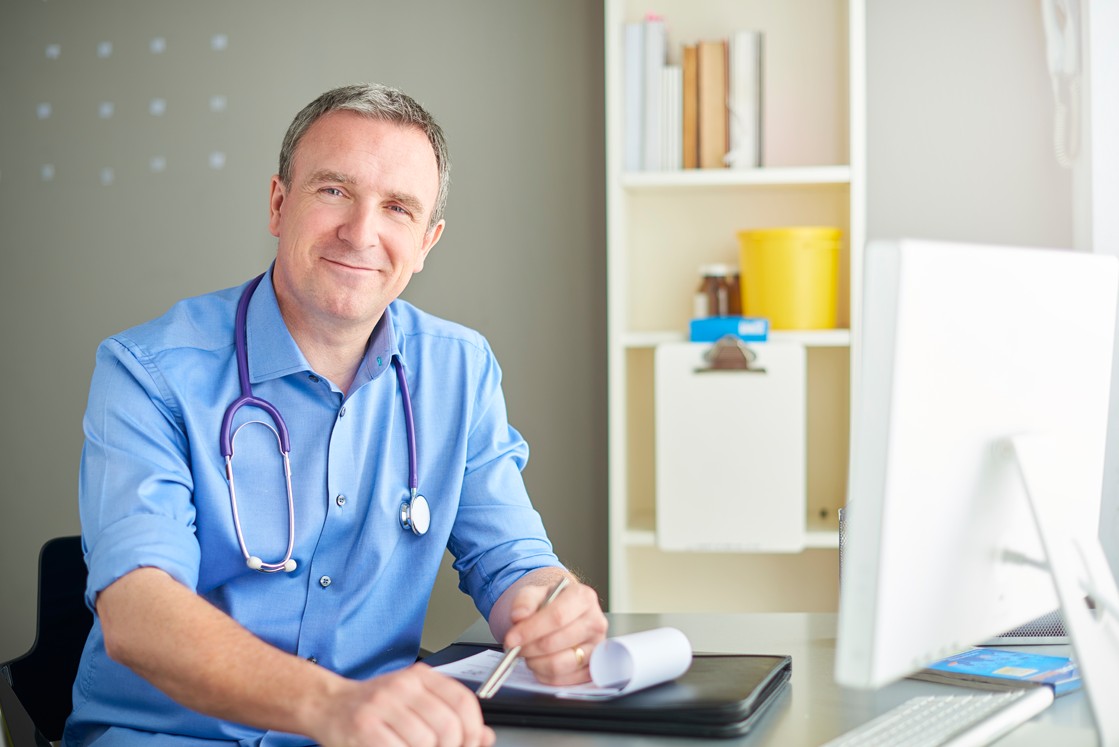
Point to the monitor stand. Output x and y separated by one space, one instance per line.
1085 587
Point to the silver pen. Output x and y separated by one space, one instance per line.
505 667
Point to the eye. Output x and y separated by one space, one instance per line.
331 191
400 209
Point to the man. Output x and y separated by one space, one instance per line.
234 608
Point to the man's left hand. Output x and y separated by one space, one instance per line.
556 641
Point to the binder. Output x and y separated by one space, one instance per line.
721 695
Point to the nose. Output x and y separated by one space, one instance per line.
360 227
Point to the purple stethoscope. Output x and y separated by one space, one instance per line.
415 514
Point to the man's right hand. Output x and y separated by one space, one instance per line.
202 658
413 706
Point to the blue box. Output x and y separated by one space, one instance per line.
746 328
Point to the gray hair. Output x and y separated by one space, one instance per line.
376 102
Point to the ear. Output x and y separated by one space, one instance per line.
275 202
430 240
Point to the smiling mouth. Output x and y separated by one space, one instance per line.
348 266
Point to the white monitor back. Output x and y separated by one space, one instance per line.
962 347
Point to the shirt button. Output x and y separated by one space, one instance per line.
313 378
324 581
340 500
312 659
342 413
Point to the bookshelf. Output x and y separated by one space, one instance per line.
662 225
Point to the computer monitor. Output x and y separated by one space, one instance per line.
977 364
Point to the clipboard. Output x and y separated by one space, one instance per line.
721 695
734 438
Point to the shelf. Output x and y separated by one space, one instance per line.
816 539
816 338
763 177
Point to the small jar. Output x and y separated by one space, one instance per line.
734 294
713 297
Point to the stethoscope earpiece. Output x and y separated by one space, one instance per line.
257 564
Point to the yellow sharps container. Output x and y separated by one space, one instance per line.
789 275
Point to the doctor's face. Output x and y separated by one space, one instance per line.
353 223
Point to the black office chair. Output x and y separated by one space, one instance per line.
35 689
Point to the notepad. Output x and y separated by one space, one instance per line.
618 666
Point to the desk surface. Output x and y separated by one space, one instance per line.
813 709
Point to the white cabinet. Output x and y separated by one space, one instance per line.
661 226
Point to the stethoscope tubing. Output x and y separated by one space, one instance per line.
413 477
246 399
414 512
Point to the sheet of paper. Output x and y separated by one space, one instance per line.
639 660
618 666
477 668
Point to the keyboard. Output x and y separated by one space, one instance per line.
969 719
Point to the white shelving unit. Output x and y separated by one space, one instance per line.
662 226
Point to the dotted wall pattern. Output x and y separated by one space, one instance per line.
165 106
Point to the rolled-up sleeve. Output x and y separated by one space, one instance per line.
498 536
135 485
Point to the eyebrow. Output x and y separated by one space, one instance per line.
325 176
409 201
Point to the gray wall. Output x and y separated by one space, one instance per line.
959 125
518 88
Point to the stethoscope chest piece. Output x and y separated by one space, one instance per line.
415 514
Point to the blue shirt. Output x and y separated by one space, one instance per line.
153 492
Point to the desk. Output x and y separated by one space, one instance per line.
813 709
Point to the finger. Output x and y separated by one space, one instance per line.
542 620
392 722
527 602
568 667
564 624
441 726
462 702
486 737
411 711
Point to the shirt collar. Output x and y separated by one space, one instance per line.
273 352
380 351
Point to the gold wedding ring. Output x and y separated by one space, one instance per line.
580 656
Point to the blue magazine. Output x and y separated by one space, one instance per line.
1002 669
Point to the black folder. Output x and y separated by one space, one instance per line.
721 695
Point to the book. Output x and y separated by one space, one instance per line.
672 118
633 107
744 100
655 54
712 106
1002 669
689 104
